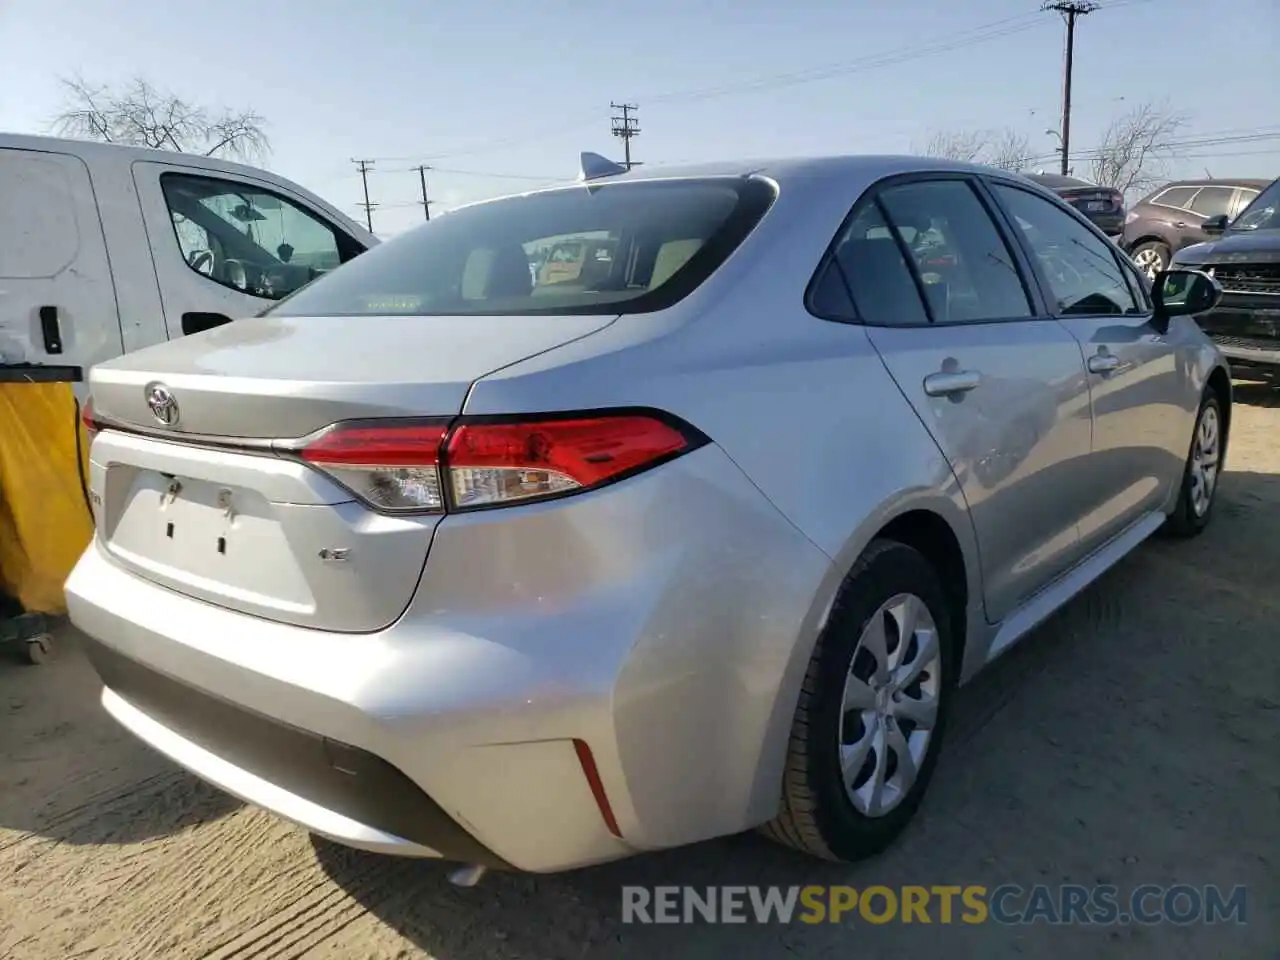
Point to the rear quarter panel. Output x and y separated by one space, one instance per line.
803 406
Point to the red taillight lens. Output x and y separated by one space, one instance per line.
395 467
492 463
405 467
87 420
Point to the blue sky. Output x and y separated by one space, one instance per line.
503 95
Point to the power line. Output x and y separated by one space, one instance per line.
626 127
364 166
1007 26
916 51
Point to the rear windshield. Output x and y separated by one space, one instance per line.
624 247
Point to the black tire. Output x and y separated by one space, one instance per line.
1184 522
1161 250
816 815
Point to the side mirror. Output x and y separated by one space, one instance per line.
1184 293
1216 224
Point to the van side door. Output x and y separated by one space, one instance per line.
227 246
57 297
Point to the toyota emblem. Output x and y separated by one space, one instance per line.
162 403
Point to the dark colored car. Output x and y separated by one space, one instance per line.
1102 205
1172 217
1245 260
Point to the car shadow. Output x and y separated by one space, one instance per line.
1016 796
1256 394
70 773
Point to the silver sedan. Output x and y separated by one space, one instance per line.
697 532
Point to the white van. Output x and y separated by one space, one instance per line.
105 249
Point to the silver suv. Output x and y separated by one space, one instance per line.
443 559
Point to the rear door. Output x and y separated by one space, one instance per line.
1000 386
57 299
228 246
1140 431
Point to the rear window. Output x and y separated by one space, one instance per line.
627 247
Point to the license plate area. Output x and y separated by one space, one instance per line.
1097 206
217 541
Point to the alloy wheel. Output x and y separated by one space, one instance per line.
1205 455
1149 261
890 705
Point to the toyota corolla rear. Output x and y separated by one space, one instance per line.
320 584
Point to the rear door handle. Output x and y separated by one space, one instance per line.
1180 224
947 384
1103 362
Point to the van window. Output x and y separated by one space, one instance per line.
39 235
621 247
248 238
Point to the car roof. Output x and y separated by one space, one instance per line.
853 172
89 148
1252 182
1057 180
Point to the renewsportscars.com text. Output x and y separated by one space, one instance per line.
1069 904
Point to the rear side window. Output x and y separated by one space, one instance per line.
604 248
967 271
884 290
1212 201
1179 197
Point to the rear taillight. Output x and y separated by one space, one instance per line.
87 420
393 466
415 467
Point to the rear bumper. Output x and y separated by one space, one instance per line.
665 622
340 790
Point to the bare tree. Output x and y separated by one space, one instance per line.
1009 150
139 114
1136 149
1006 149
964 145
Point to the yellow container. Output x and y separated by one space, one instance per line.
45 522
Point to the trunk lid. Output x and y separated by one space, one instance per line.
247 528
285 377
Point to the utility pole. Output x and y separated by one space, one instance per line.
364 167
422 176
626 127
1070 10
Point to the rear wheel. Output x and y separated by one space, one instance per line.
872 711
1151 256
1201 475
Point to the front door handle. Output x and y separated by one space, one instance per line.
948 384
1103 362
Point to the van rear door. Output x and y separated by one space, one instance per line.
228 245
57 299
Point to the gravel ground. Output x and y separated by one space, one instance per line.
1132 740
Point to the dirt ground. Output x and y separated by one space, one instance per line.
1134 739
